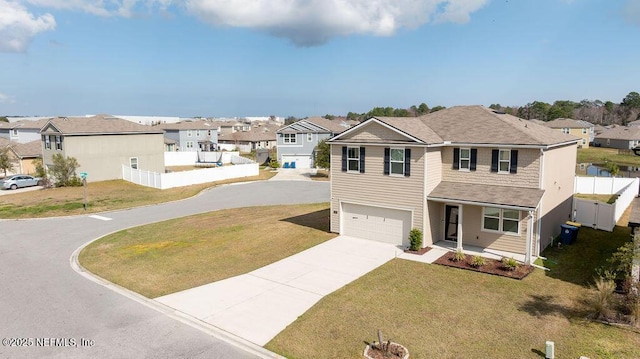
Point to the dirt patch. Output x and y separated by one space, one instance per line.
491 266
419 252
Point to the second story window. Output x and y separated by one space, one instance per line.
47 142
189 133
565 130
397 161
353 159
465 159
584 131
309 137
289 138
504 161
197 133
59 143
14 132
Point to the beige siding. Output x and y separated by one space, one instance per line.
577 132
376 189
473 234
102 156
527 175
374 132
558 179
432 215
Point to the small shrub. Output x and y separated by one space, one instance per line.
478 261
602 299
274 164
415 238
510 264
458 256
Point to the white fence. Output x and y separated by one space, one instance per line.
243 168
598 214
189 158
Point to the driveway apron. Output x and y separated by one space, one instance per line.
258 305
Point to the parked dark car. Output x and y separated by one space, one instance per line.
20 181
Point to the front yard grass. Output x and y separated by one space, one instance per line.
101 196
443 312
183 253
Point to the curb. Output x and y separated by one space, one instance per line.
204 327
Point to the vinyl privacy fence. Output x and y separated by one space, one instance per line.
598 214
242 167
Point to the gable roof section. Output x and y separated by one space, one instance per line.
390 130
261 133
316 125
96 125
621 133
29 149
567 123
481 125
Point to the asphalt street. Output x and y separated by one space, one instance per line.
56 312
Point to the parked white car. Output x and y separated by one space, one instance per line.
20 181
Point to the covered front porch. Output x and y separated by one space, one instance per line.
486 220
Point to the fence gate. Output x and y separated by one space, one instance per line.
594 214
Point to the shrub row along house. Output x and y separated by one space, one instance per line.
466 174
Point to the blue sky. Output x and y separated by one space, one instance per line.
310 57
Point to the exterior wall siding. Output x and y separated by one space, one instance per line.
612 143
473 233
375 132
527 175
102 157
432 215
375 188
557 181
302 147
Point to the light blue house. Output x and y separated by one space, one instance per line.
23 131
297 142
196 135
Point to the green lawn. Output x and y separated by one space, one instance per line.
442 312
605 198
600 154
178 254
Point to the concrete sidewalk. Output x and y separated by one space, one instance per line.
258 305
293 174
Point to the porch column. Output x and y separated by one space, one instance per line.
459 241
527 255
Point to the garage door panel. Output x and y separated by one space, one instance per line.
376 223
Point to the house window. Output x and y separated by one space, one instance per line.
584 131
504 161
289 138
189 133
14 132
197 133
465 158
133 163
353 159
309 137
59 143
47 142
396 159
501 220
584 142
565 130
189 145
209 132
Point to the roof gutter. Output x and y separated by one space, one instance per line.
472 203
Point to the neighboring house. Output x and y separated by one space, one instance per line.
227 127
22 131
259 136
26 154
102 144
297 142
620 137
196 135
466 174
581 129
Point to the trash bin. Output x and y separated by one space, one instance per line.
575 233
568 233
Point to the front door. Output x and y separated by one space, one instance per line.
451 223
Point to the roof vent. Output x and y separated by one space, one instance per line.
499 112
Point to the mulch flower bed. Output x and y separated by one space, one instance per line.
395 351
420 252
491 266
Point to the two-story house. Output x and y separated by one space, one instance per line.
102 144
22 131
297 142
467 175
196 135
584 130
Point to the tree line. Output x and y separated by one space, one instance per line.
594 111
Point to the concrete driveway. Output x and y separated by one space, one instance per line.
293 174
258 305
41 296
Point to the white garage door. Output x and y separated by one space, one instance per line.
300 161
375 223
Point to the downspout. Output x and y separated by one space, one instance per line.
425 205
527 256
459 242
539 208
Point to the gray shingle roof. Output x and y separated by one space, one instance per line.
99 125
25 124
29 149
413 126
317 124
190 125
621 133
526 198
567 123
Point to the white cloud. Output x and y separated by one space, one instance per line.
6 99
314 22
18 26
124 8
